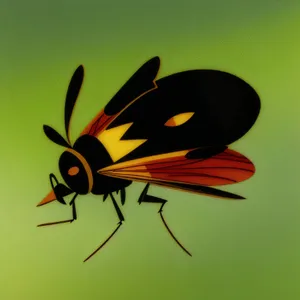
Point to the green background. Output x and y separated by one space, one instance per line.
241 250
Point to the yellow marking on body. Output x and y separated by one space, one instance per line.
111 139
179 119
144 160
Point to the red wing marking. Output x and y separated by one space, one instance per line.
98 124
227 167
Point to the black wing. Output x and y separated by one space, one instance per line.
140 83
221 108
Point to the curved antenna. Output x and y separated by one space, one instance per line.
55 137
71 97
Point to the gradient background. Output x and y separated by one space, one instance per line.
241 250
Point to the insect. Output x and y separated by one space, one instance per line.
172 132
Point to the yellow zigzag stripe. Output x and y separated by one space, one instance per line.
111 139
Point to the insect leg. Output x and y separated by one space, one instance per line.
151 199
74 215
123 196
121 219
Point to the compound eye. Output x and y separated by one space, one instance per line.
73 171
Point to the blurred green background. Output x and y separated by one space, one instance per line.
241 250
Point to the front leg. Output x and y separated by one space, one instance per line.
144 197
121 219
74 215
